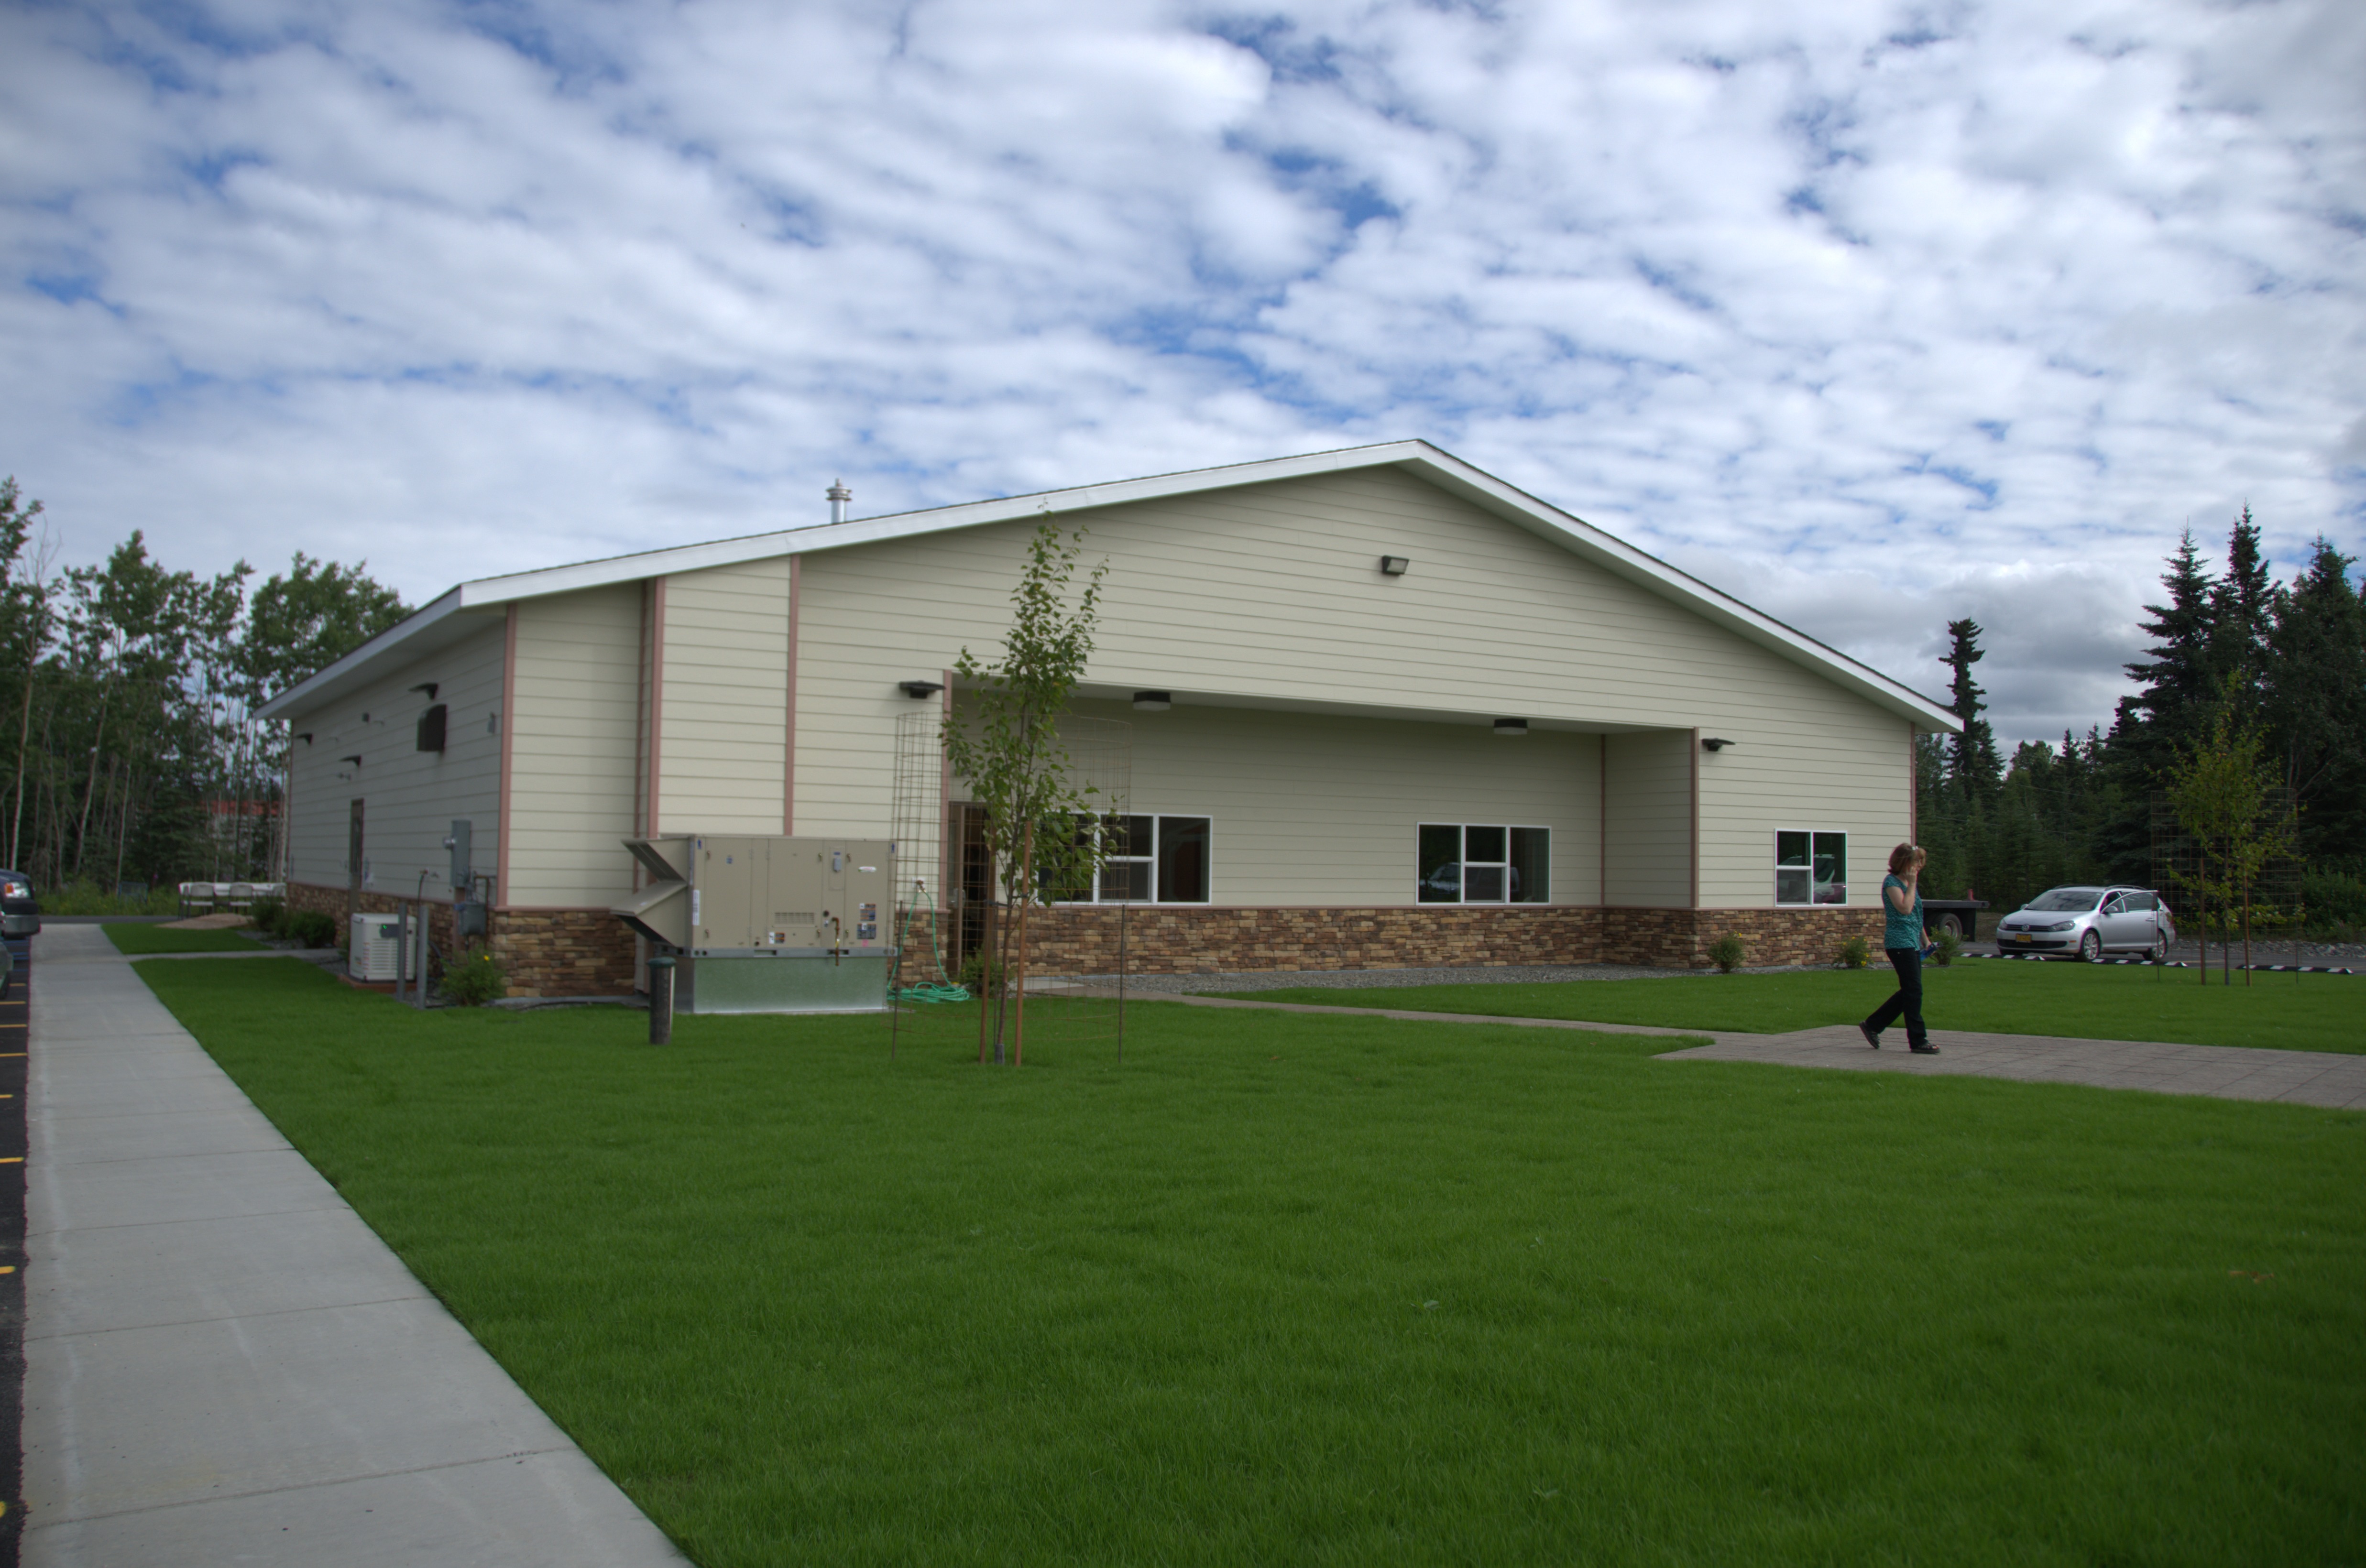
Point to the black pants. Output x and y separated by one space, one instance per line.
1908 962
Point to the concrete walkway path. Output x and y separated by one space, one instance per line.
223 1363
2225 1073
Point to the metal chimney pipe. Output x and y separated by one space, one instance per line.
838 496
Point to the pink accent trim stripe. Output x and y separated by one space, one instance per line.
947 848
789 751
508 735
1697 740
657 695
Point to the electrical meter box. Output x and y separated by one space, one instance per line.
758 924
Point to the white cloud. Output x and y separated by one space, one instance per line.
1878 316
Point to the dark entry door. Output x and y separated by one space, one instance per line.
352 868
976 883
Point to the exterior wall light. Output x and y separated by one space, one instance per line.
919 689
1511 726
1393 566
1715 743
1153 701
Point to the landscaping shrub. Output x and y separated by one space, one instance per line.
979 974
267 915
1947 949
2336 903
309 927
477 978
1726 953
1853 953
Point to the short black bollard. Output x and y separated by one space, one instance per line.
661 1001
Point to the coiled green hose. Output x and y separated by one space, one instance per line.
927 993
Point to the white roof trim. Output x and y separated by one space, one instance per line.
936 519
297 696
1441 468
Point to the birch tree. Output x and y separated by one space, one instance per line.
1007 747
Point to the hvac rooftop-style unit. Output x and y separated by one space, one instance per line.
770 924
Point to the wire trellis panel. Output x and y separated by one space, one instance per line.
1076 968
916 825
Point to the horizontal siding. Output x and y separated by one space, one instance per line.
1312 810
573 749
724 717
1273 589
1272 592
1648 819
1264 594
1843 768
409 797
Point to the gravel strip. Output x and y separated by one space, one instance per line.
2339 954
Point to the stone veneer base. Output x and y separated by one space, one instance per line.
544 952
584 952
1170 939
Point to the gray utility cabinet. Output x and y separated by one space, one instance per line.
760 925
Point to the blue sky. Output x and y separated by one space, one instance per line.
1875 315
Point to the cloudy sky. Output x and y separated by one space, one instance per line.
1873 314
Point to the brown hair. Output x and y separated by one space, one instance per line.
1902 856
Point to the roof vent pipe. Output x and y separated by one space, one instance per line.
838 496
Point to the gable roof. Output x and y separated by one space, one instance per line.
465 608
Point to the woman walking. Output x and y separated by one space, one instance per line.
1901 938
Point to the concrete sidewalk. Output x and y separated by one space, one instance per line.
223 1363
2224 1072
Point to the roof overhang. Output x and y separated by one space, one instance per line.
431 629
470 602
1398 712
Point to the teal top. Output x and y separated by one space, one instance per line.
1900 930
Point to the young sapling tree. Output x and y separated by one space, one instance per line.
1006 745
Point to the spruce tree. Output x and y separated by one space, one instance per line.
2177 686
1975 770
2312 689
2239 607
2180 681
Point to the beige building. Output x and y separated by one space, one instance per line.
1414 716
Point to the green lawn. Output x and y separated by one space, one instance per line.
2304 1012
1292 1289
139 939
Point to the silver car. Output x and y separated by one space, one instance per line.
2087 922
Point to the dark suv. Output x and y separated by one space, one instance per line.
19 915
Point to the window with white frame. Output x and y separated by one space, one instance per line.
1811 868
1481 863
1146 859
